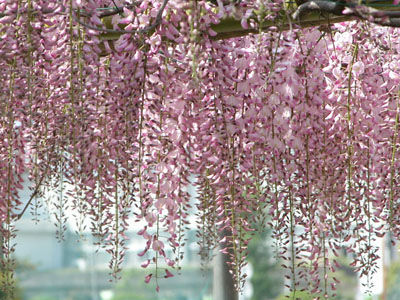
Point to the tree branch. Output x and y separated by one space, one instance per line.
380 17
46 11
335 8
35 192
385 16
117 10
309 14
230 28
151 27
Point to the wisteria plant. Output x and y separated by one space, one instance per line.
279 111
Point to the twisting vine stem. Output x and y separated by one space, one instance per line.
392 163
116 255
140 138
349 128
7 230
369 245
292 246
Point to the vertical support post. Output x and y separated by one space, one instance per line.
223 284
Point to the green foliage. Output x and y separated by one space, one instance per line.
133 287
43 297
348 285
17 294
348 280
298 296
393 281
17 290
267 278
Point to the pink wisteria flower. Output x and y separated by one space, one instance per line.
168 274
157 245
148 278
121 112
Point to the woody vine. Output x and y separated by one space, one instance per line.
272 105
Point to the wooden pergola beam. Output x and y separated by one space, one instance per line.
229 27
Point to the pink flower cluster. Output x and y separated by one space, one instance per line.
298 129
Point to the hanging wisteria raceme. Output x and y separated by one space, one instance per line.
112 107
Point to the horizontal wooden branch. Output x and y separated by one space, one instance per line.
229 27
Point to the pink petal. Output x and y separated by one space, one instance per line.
147 278
168 274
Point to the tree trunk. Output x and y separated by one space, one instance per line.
223 284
